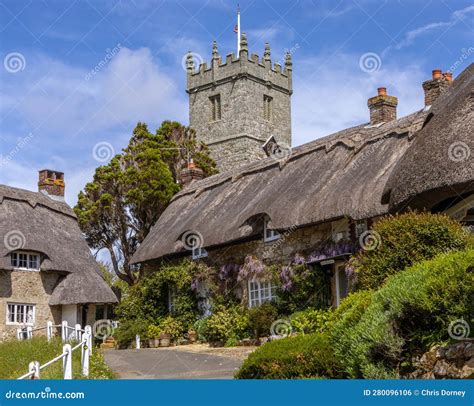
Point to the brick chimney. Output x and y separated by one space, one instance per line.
192 172
51 183
436 85
383 108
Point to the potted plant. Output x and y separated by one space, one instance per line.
153 334
170 330
192 335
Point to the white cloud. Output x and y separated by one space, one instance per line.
130 87
410 36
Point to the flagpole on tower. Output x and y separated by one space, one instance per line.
238 30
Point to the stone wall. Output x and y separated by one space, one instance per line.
238 136
455 361
28 287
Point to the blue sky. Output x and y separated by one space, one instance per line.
56 113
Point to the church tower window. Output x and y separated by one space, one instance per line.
267 107
215 107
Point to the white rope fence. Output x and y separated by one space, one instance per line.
85 344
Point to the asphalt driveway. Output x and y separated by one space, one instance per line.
174 363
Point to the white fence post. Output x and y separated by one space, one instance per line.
49 330
77 331
88 330
29 332
137 341
34 367
85 354
64 331
67 361
19 334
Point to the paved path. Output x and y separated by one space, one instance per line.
171 363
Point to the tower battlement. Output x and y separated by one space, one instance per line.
235 67
237 104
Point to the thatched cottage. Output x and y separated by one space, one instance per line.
319 199
47 272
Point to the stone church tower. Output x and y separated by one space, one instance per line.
236 105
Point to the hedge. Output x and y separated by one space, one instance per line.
304 356
408 315
404 240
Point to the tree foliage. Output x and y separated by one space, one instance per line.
127 196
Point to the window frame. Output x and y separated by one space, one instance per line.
361 226
268 234
24 314
267 107
216 108
28 260
198 253
267 287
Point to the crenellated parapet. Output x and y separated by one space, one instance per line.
233 67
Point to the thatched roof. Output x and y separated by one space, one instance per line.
32 221
341 175
440 162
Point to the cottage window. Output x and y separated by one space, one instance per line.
268 234
199 252
25 260
18 313
215 107
361 227
261 292
267 107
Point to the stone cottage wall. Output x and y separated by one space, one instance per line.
28 287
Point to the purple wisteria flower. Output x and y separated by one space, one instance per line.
251 268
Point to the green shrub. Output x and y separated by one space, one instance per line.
305 356
153 331
125 334
405 240
172 326
225 324
310 321
201 327
261 319
407 316
342 322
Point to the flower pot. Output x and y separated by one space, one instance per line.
192 336
154 342
165 340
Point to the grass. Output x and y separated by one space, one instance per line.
16 355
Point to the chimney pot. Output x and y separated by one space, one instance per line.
434 87
190 173
383 108
436 73
51 183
